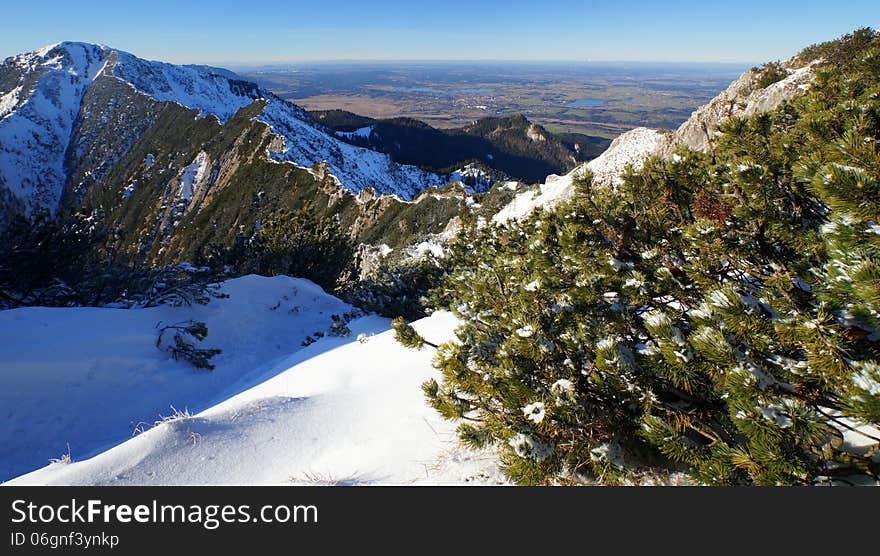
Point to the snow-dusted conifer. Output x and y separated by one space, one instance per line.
715 311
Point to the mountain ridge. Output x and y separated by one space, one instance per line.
47 86
169 183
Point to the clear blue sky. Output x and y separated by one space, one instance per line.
242 32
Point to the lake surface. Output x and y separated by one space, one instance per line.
414 90
586 103
474 91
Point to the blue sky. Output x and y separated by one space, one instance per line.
257 31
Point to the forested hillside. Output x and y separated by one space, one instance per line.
512 145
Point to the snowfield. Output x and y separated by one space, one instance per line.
343 410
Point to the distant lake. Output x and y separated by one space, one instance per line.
477 91
414 90
586 103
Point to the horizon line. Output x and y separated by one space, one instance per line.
474 60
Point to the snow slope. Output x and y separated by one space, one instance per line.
37 115
362 133
88 376
630 148
344 410
554 189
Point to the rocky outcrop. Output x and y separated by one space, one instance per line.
742 98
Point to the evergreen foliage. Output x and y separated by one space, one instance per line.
842 51
717 315
289 242
768 74
339 326
398 289
406 334
41 258
59 261
182 346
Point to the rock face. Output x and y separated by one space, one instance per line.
742 98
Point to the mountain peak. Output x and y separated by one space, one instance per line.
72 56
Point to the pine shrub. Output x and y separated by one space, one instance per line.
714 315
182 346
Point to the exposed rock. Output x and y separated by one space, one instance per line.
534 133
742 98
629 149
365 195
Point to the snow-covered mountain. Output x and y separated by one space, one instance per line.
44 102
743 97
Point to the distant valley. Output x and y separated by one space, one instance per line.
592 99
